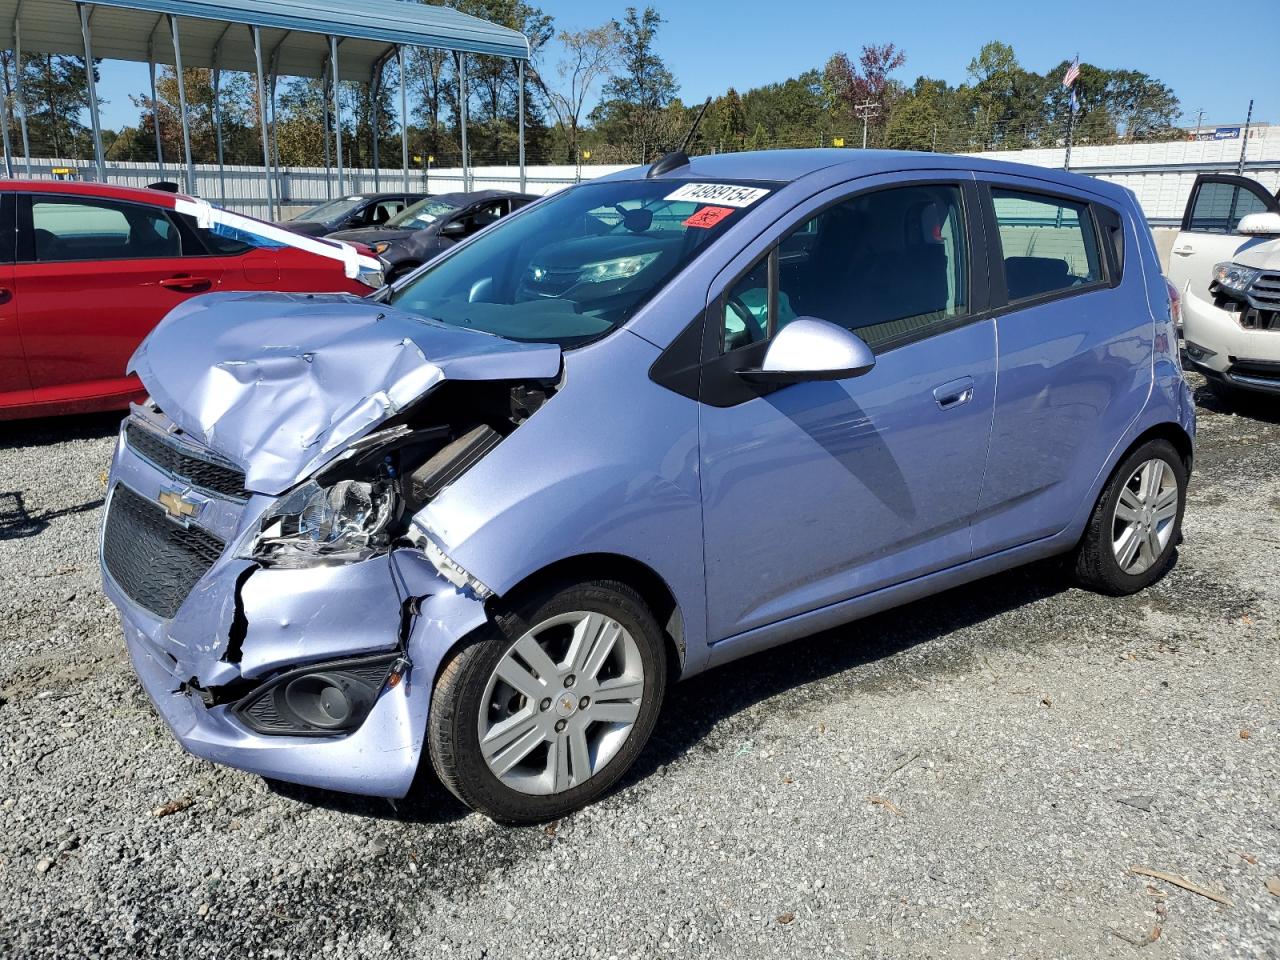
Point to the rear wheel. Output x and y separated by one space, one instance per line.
1137 522
545 712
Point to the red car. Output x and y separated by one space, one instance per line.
87 269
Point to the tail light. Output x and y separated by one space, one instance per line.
1175 303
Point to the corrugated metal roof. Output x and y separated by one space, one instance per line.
295 31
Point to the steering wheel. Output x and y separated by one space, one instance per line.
748 318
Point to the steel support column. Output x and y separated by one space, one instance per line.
217 118
4 134
375 83
182 105
18 92
462 119
404 117
262 119
336 73
155 107
95 121
520 81
324 111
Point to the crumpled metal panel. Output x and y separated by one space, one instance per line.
280 383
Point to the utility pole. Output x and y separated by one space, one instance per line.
1199 118
866 112
1244 141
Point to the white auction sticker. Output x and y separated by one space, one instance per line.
724 194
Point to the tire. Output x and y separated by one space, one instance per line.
579 722
1098 561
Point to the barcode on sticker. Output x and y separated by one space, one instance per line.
723 194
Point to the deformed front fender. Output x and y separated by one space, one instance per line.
609 465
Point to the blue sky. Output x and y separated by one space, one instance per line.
1210 63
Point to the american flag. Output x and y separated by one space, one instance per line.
1072 74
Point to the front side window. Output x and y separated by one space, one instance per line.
1049 245
79 228
579 264
1220 207
889 265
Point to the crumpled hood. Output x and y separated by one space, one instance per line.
280 383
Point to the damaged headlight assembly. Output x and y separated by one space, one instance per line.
343 523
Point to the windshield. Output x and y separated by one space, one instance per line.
579 264
422 214
332 210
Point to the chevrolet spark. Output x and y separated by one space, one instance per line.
645 426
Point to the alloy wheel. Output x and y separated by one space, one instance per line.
561 702
1144 516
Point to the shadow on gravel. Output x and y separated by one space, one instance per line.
695 706
1261 407
16 523
428 801
45 431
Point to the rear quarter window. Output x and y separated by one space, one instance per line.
1048 244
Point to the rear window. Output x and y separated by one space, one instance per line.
1048 244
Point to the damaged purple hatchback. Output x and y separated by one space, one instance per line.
645 426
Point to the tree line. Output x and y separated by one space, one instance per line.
606 97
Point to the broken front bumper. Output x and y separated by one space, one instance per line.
241 625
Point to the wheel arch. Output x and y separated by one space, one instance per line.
1167 430
653 589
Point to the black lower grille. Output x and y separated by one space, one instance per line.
154 560
197 471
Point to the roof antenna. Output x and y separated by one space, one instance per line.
679 158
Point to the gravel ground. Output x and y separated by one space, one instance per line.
973 776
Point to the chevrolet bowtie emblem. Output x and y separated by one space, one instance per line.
178 506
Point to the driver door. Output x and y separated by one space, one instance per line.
1217 204
818 492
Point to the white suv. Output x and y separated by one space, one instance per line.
1226 266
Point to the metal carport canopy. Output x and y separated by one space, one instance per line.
296 33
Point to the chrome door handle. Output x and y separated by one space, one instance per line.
954 394
1184 251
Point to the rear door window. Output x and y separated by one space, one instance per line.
1049 245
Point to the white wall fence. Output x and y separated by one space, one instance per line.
1160 174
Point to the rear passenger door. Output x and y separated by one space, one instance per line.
819 492
1075 354
1217 204
93 277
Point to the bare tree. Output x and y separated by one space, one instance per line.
589 57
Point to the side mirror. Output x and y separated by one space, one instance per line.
1260 225
811 349
455 228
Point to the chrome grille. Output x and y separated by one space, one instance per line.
205 472
155 561
1265 291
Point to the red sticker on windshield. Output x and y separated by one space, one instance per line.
708 217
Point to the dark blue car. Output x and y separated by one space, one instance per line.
642 427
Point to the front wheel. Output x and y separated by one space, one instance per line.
545 710
1137 522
